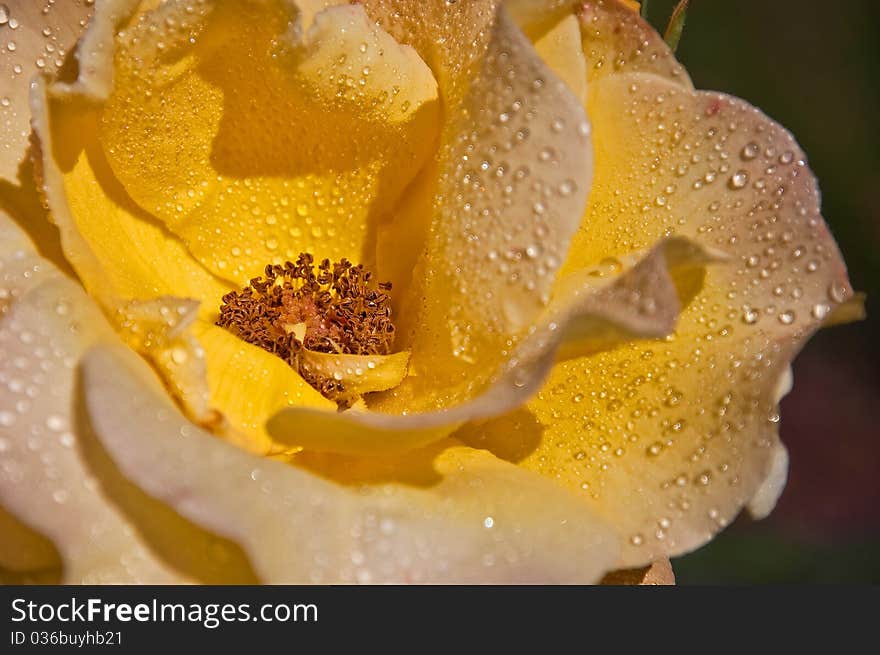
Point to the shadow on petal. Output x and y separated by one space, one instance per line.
518 435
192 550
26 556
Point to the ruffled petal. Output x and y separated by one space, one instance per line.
37 37
670 440
46 323
482 521
254 141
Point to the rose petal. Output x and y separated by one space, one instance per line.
670 441
36 38
658 573
585 317
560 48
119 252
254 145
24 552
484 521
46 324
618 41
248 384
159 329
512 176
359 374
123 256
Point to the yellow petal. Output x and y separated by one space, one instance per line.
560 48
37 38
46 322
585 317
248 384
119 252
670 440
483 521
129 261
254 142
359 374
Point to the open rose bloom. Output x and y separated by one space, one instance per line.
598 279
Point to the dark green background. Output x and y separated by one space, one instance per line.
814 66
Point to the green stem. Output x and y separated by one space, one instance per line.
676 25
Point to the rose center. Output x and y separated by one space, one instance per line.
329 308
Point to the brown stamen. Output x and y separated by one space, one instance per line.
337 309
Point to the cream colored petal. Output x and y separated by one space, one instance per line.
770 490
45 324
585 317
35 37
483 521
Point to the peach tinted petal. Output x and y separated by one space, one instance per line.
670 440
484 521
617 41
45 325
254 141
35 37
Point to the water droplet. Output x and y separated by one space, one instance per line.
750 151
4 14
820 311
739 179
837 291
55 422
749 316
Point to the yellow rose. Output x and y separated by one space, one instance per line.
598 277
